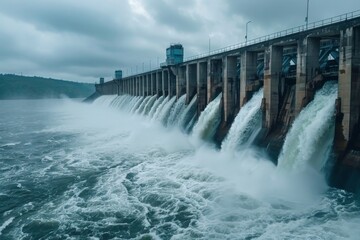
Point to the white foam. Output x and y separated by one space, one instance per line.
10 144
125 169
155 106
5 224
309 140
208 121
246 124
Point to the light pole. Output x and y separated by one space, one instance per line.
246 32
209 45
307 14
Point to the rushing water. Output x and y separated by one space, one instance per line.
76 171
309 140
246 126
209 120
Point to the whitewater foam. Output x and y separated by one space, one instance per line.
309 140
5 224
157 103
119 175
209 120
246 125
176 111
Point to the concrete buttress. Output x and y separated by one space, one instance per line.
306 69
272 72
201 85
248 63
349 81
229 66
181 82
191 82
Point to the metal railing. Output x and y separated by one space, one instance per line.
137 72
283 33
298 29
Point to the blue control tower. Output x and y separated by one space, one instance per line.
118 74
174 55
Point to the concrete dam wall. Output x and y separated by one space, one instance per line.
286 89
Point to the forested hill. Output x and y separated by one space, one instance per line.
21 87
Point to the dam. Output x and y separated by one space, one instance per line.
277 82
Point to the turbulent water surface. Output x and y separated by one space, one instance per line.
111 170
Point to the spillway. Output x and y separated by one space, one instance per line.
310 138
208 121
246 125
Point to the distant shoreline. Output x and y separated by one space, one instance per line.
15 87
35 99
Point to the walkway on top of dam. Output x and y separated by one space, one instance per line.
325 27
285 35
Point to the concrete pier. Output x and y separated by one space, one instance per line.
171 83
165 82
202 73
214 78
148 85
159 84
248 67
191 81
153 83
133 87
143 85
229 87
272 72
349 83
181 82
137 89
307 67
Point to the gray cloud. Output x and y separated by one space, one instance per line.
179 17
86 39
78 17
288 13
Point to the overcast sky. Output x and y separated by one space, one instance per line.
82 40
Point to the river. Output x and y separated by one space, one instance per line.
70 170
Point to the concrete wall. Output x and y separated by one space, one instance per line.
349 82
165 82
272 72
153 83
108 88
307 65
229 66
248 66
143 85
172 83
202 73
191 81
148 85
180 82
159 84
214 78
